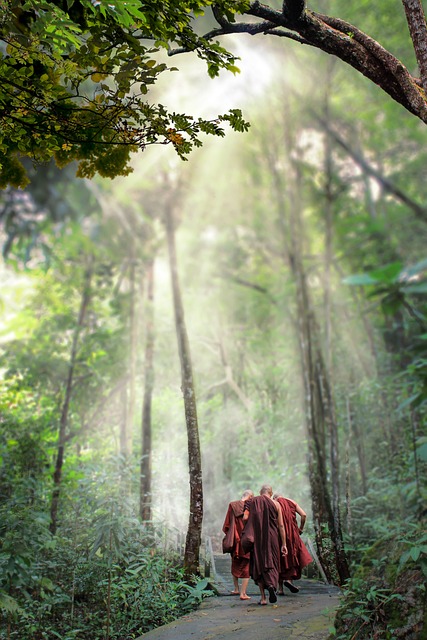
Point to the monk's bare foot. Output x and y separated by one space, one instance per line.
280 593
244 596
235 593
263 602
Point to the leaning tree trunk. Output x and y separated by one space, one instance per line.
145 475
194 533
57 476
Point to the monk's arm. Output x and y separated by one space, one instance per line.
281 528
226 525
302 514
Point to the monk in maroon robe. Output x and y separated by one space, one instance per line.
261 537
233 526
298 557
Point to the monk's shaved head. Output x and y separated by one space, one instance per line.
266 489
247 494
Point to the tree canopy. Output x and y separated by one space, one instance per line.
75 74
74 78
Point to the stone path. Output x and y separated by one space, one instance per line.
307 615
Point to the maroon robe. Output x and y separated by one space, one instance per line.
298 556
239 558
261 537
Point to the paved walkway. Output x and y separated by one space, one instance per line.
307 615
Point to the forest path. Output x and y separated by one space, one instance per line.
307 615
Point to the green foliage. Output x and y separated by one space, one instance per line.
403 290
57 587
386 596
196 593
75 76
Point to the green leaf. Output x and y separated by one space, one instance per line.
360 279
415 288
421 452
8 604
415 553
387 274
408 401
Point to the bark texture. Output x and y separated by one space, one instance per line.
345 41
63 423
417 28
145 484
321 424
194 532
133 342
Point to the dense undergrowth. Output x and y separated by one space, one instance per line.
104 576
386 597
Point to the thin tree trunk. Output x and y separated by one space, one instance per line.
414 428
418 29
331 421
320 499
110 550
57 476
123 422
145 498
353 428
329 210
324 423
194 532
133 348
385 183
319 408
348 474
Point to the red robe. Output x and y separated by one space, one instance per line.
239 559
261 537
298 556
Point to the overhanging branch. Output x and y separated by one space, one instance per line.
333 36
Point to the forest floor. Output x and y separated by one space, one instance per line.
307 615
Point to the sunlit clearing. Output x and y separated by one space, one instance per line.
192 90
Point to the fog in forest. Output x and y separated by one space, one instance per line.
301 262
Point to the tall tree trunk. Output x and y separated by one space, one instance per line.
320 497
348 510
145 498
321 424
194 532
329 210
319 410
123 421
353 428
133 349
57 476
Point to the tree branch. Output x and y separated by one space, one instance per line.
419 211
293 10
418 29
335 37
252 285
